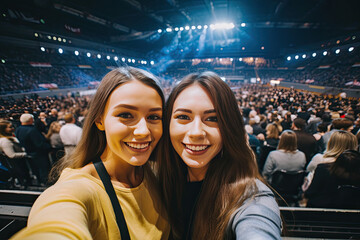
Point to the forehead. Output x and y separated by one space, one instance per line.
194 96
134 93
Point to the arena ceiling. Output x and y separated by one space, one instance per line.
271 26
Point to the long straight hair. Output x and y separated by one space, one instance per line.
230 178
93 141
339 142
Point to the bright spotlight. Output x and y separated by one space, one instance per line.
240 59
243 24
193 27
288 58
297 57
116 58
159 31
169 29
205 26
60 50
152 62
88 54
76 53
49 37
199 27
314 54
337 51
36 34
123 59
129 60
187 28
59 39
133 60
42 49
145 62
222 26
231 59
304 56
351 49
64 40
325 53
176 29
231 25
108 57
181 29
98 56
54 38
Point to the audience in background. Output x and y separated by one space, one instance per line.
70 133
305 141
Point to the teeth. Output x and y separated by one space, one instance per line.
138 145
196 148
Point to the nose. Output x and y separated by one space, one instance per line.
196 130
141 128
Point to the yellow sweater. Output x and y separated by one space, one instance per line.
78 207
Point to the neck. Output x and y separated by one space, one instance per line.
196 174
122 173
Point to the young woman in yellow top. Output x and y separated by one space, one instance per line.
122 128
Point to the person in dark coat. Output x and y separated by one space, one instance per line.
35 145
305 141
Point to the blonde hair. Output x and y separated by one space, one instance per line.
339 142
274 131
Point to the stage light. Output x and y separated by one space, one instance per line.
98 56
231 25
353 37
222 26
88 54
351 49
42 49
304 56
145 62
59 39
193 27
54 38
116 58
168 29
152 62
181 29
337 51
297 57
159 31
262 48
3 61
123 59
187 28
199 27
129 60
176 29
133 60
243 48
314 54
108 57
64 40
60 50
288 58
49 37
243 24
76 53
205 26
240 59
325 53
36 34
231 59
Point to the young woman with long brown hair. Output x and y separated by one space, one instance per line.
208 172
121 130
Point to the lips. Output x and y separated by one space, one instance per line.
138 146
196 149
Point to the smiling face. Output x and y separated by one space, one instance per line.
194 130
132 123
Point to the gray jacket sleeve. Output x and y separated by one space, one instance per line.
258 218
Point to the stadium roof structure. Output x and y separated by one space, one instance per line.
187 28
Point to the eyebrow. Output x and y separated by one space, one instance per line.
189 111
136 108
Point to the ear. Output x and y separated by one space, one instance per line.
100 125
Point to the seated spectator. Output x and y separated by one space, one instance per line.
70 133
321 130
329 178
272 135
305 141
35 145
42 123
286 157
338 124
10 145
55 141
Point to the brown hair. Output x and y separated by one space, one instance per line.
230 178
93 141
347 167
3 126
342 123
274 131
288 141
340 141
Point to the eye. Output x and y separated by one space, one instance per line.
182 117
125 115
154 117
212 119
